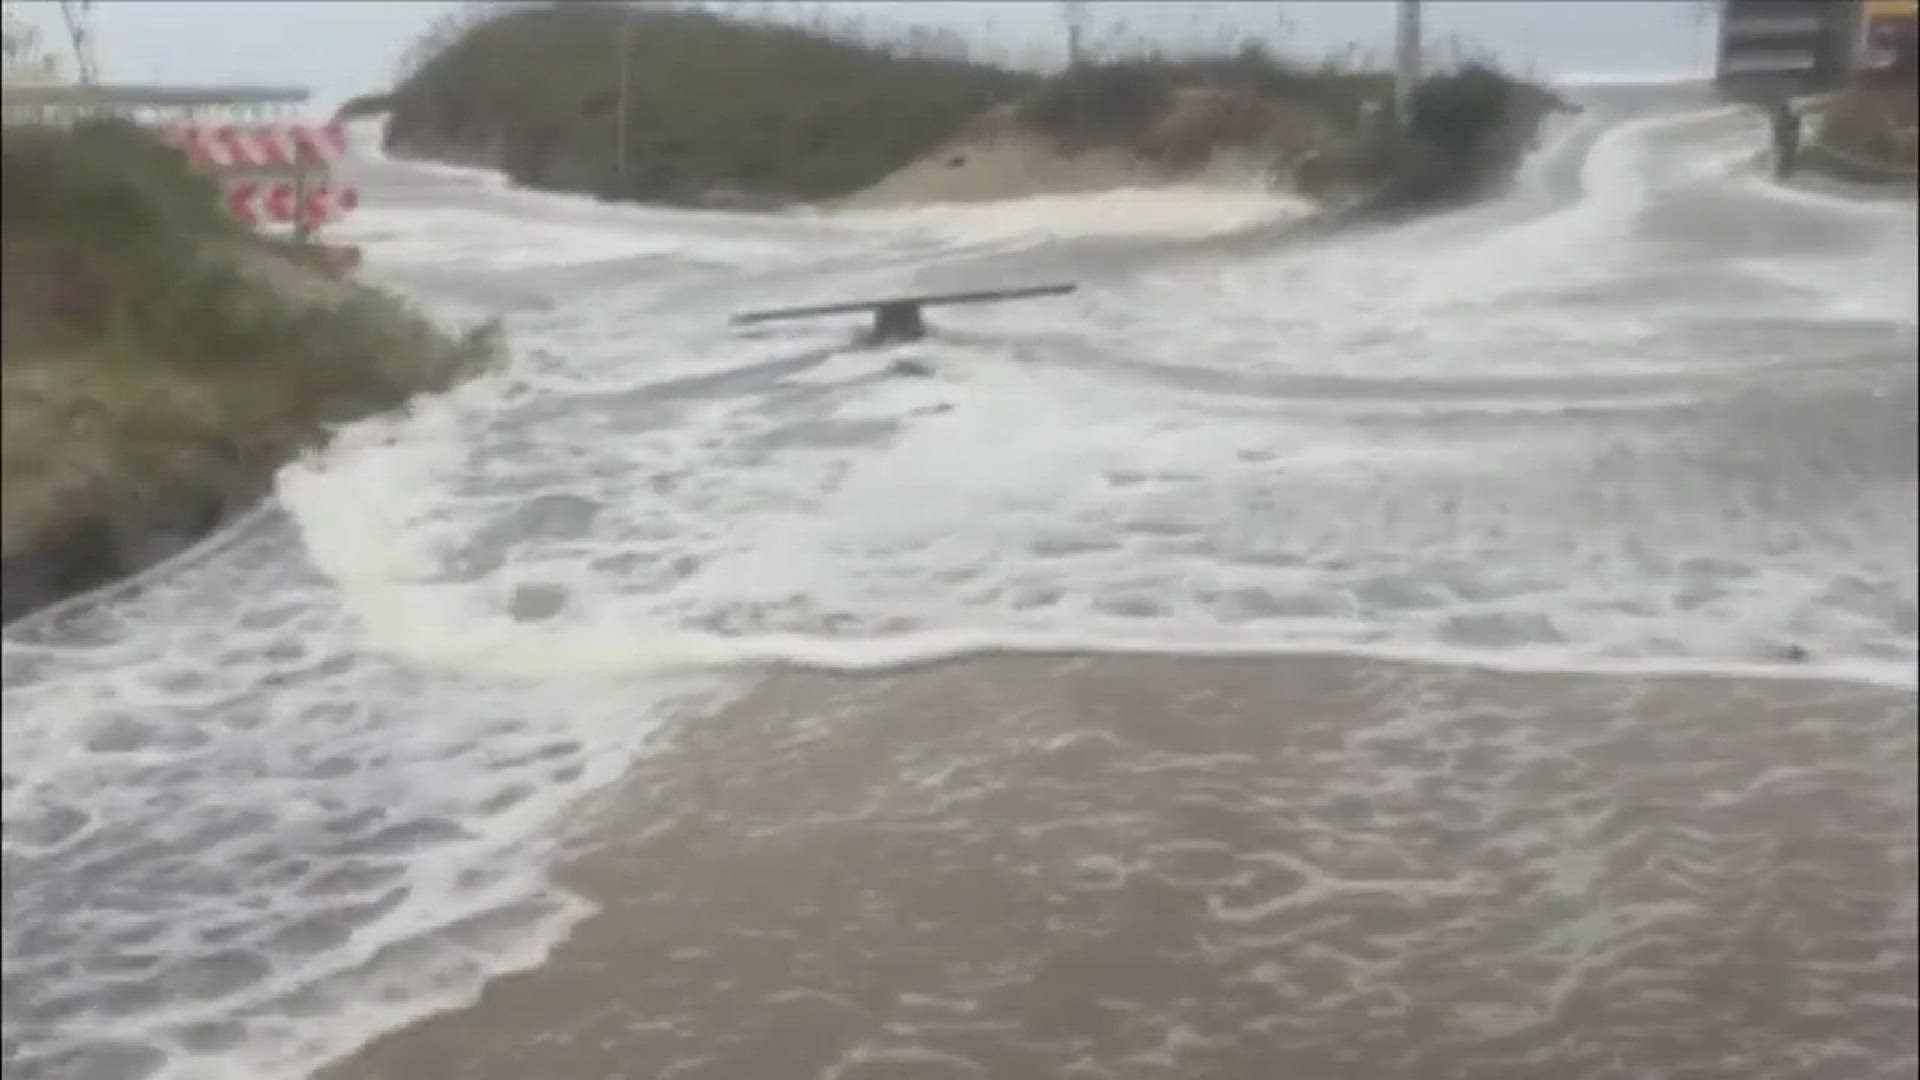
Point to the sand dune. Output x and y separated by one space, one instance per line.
1204 137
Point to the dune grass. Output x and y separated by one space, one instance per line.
1108 99
711 99
1463 125
721 101
153 349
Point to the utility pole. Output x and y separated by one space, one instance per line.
77 14
620 108
1406 73
1075 14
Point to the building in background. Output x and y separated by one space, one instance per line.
1774 48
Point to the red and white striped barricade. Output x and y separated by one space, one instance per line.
282 201
240 146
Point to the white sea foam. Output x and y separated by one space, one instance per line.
1504 437
1005 478
1193 210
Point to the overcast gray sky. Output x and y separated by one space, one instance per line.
339 48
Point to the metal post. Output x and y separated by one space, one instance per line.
620 122
1074 13
302 226
1407 60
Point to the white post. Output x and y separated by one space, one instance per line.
1407 59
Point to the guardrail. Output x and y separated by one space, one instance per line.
64 103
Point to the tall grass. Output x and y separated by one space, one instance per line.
1108 97
729 98
104 185
711 99
142 325
95 221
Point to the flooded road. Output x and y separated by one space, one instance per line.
1481 646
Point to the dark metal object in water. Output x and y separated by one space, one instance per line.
897 319
1785 122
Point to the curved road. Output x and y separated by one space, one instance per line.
1648 414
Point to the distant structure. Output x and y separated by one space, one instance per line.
40 92
1406 59
1780 48
66 103
1074 14
1887 45
79 18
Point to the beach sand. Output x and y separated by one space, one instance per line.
1134 867
1204 138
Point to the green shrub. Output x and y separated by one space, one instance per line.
718 101
711 101
1457 113
107 185
1465 130
121 260
162 361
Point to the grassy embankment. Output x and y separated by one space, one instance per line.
159 361
725 111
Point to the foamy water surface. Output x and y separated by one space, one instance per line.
1646 413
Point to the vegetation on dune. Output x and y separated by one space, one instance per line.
1464 129
764 108
1108 101
1464 125
726 110
157 357
363 105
